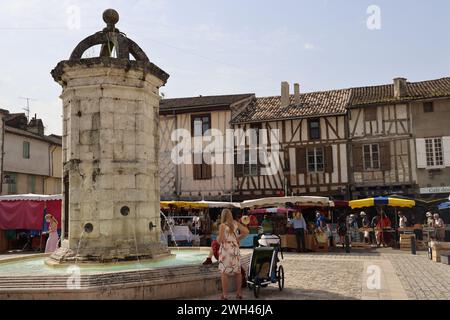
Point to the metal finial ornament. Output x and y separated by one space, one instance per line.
111 17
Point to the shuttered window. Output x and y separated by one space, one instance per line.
370 114
202 171
314 129
316 160
372 156
300 160
11 179
201 124
31 180
26 150
434 153
428 107
250 168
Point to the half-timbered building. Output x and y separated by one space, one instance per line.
381 141
193 180
313 144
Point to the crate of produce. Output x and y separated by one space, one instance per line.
445 258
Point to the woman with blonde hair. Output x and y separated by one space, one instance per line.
53 239
230 234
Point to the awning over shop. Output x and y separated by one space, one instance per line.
444 206
198 204
382 201
306 201
31 197
271 211
26 212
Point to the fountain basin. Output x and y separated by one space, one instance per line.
183 276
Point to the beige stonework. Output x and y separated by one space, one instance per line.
111 160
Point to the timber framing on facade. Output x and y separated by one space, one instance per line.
346 144
196 181
313 145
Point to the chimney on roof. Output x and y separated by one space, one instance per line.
400 88
297 93
36 126
285 95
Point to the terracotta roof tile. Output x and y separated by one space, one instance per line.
312 105
318 104
207 101
415 90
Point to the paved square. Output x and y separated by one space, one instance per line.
341 276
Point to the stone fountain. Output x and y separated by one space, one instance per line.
110 247
110 150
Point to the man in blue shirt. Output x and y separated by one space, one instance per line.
320 221
299 225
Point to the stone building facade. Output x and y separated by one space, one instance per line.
378 140
32 161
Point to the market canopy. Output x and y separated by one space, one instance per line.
198 204
280 201
382 201
445 205
26 212
31 197
271 211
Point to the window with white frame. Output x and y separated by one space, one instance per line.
372 156
316 161
435 157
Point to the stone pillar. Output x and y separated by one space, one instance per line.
110 155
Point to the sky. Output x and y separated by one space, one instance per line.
214 47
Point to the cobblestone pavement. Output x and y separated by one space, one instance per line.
340 276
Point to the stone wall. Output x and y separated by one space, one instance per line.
110 155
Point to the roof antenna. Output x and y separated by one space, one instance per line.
27 108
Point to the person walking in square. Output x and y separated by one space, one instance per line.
299 224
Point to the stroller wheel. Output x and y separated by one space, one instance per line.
256 290
250 286
280 276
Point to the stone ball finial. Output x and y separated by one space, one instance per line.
111 17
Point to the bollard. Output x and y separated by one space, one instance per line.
347 244
413 246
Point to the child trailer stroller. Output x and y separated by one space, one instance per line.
263 268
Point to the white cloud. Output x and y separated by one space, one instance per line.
309 46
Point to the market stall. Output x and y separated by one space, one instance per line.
275 212
387 232
22 220
190 223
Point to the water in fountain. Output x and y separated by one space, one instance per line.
79 245
138 260
169 223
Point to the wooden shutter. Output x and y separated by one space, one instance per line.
329 159
446 147
385 156
197 171
207 171
358 160
238 168
300 160
421 154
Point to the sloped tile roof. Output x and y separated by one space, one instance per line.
207 101
415 90
334 102
311 105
